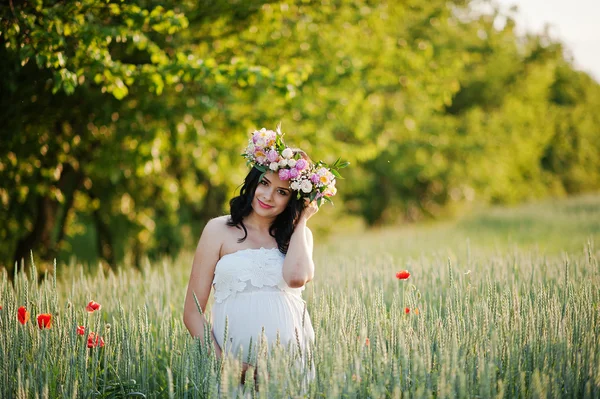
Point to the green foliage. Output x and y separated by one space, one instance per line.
123 121
110 126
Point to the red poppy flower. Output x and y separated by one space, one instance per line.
402 275
367 341
80 330
416 310
407 310
94 340
0 307
92 307
44 320
23 315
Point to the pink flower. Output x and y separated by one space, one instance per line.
284 174
314 178
301 164
294 173
273 156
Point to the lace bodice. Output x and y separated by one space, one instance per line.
250 270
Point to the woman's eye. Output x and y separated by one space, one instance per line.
264 183
282 192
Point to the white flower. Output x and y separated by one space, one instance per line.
287 153
260 142
271 135
330 191
295 186
291 162
306 186
274 166
325 179
283 163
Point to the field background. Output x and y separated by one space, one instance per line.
507 298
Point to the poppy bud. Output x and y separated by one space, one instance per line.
22 315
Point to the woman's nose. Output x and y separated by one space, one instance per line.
269 193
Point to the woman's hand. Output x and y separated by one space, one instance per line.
245 367
310 210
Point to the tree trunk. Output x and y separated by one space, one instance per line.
103 239
69 184
49 212
39 239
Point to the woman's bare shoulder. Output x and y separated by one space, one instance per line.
220 232
214 234
218 223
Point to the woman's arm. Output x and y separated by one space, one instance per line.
298 267
201 277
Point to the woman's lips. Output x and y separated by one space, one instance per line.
263 205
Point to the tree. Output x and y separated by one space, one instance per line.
124 121
97 126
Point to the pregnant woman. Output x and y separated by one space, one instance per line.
259 258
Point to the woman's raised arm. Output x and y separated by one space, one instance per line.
298 267
201 277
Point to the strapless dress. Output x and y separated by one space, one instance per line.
254 300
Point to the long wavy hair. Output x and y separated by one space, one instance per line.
283 226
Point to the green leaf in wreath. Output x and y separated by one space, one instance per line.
336 174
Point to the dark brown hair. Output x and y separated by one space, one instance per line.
284 224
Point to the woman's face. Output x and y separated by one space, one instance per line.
271 196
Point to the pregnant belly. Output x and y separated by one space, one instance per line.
249 314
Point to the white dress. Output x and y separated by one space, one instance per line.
251 294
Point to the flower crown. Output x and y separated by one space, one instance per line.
267 151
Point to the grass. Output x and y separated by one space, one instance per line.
507 302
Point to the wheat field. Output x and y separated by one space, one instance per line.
504 303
